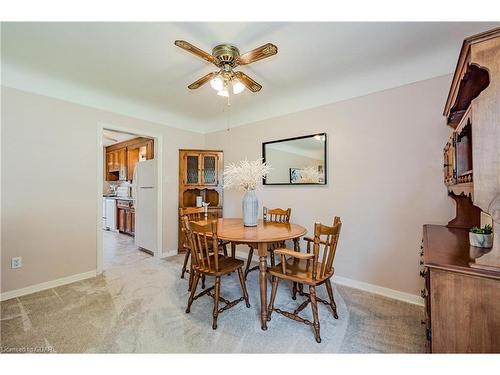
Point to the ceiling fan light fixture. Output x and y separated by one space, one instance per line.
223 92
226 58
217 83
238 87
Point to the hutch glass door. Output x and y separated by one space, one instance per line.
192 169
209 169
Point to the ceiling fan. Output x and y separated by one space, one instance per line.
226 57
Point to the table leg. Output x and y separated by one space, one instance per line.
233 249
263 284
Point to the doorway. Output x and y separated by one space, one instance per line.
129 184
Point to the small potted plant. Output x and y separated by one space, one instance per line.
481 237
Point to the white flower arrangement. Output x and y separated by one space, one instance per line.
245 175
309 175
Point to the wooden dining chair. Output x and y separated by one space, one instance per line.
211 263
312 268
194 214
274 215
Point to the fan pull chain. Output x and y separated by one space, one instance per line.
228 114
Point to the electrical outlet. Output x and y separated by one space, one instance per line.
16 262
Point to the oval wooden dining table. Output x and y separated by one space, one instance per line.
260 237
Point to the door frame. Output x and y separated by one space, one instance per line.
158 154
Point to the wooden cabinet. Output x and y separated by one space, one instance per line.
122 157
462 303
136 153
121 212
110 161
122 164
129 221
116 164
132 160
191 168
472 154
200 174
132 222
126 216
449 162
462 282
210 170
200 168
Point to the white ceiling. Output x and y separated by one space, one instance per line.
110 137
135 69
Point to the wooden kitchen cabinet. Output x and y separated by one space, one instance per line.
132 160
116 164
129 221
121 219
121 158
126 216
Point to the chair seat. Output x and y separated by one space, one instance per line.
300 271
226 265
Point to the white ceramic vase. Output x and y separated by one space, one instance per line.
250 209
481 240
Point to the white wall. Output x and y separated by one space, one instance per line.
384 177
49 185
384 166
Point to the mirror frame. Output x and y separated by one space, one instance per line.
293 139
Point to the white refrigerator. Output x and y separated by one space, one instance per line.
146 202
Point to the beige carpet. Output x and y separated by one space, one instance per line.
138 305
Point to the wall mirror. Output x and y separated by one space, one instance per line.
296 161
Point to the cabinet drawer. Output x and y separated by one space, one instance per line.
123 204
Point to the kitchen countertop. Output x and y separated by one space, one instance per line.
119 198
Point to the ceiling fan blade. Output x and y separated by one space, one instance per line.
257 54
202 81
194 50
248 82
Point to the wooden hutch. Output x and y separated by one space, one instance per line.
462 282
200 174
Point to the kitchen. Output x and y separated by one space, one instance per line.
129 193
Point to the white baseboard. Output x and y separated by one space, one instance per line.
170 253
47 285
371 288
386 292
